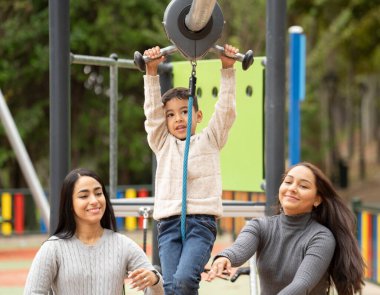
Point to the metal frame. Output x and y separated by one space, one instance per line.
24 161
114 63
247 209
130 207
274 88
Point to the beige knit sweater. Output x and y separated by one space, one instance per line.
204 187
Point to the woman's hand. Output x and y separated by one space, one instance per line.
220 268
142 278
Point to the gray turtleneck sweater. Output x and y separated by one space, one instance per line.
293 253
70 267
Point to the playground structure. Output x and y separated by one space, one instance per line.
252 93
60 59
368 226
130 207
19 214
369 220
59 93
24 162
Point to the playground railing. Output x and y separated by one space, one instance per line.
368 235
19 214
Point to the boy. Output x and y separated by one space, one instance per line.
166 122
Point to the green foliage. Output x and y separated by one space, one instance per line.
97 28
342 38
245 24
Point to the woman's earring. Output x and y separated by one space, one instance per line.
316 205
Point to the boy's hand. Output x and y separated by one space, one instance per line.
226 58
152 65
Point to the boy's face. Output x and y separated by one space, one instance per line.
176 118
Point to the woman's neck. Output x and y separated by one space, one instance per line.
89 235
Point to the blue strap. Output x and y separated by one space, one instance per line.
192 86
185 160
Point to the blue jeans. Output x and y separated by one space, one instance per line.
183 263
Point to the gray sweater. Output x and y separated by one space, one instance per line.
293 253
70 267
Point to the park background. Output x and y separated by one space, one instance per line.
340 113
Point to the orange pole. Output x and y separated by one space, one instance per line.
142 193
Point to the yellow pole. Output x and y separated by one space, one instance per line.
6 213
130 222
365 247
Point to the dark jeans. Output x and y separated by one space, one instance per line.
183 263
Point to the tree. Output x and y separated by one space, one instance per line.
342 36
99 29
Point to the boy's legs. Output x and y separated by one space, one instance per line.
182 266
170 249
196 251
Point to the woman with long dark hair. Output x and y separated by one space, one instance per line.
307 247
86 255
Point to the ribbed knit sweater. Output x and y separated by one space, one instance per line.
70 267
204 187
293 253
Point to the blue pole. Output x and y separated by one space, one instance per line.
296 91
120 221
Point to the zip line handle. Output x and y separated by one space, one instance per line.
246 59
140 60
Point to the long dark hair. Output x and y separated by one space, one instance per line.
347 266
66 224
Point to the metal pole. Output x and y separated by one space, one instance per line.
165 72
102 61
24 161
155 255
199 14
253 275
59 27
113 126
275 99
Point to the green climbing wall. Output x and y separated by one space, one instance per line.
243 156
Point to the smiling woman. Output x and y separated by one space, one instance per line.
307 247
86 255
298 191
89 205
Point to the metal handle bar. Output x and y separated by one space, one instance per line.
246 59
140 60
